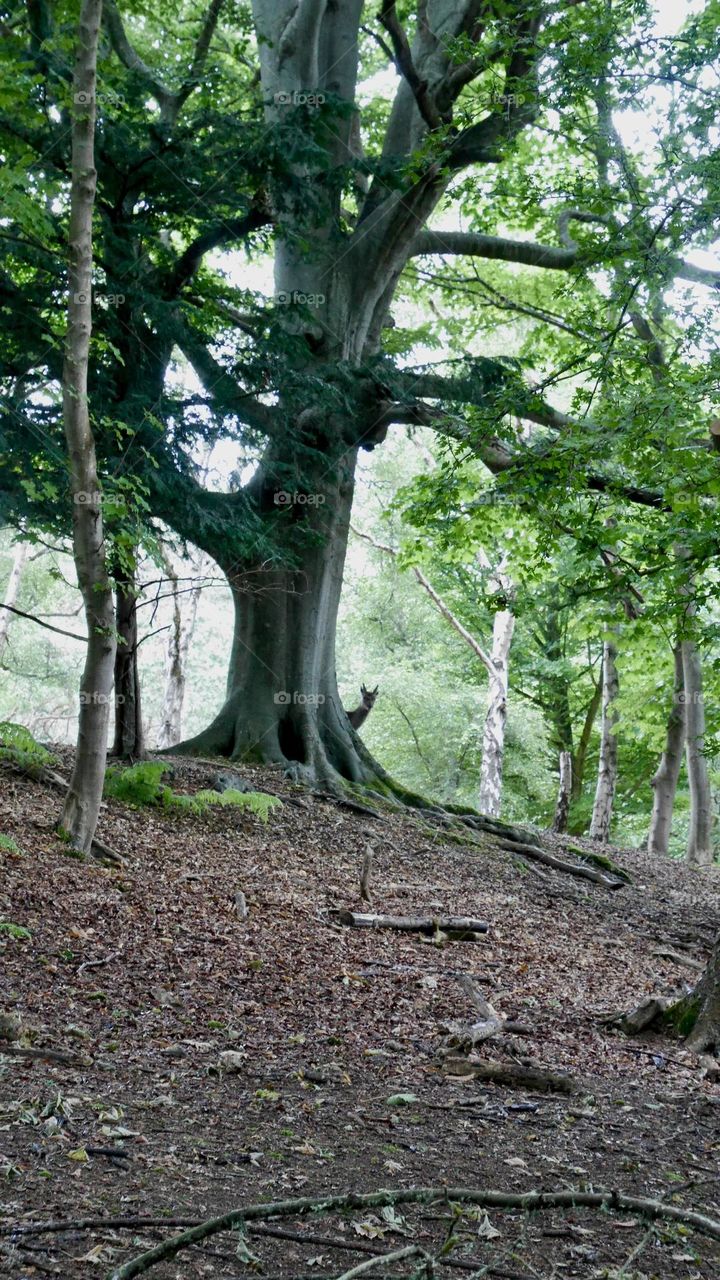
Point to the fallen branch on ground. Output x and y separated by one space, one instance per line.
528 1202
455 927
513 1075
49 1055
536 854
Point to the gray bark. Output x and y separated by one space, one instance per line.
493 743
607 765
562 806
182 629
705 1035
699 847
11 593
82 803
665 781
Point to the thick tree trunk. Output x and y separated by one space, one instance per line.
607 766
699 848
665 781
282 704
562 806
177 648
129 743
493 743
82 804
11 593
705 1034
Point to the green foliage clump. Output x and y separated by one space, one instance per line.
7 843
139 785
14 930
142 784
19 747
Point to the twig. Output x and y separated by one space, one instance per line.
97 964
410 1251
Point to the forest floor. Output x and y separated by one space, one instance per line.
147 974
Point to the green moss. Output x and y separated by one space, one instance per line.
7 842
600 860
682 1016
142 784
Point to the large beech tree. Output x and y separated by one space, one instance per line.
261 133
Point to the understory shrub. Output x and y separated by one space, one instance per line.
142 784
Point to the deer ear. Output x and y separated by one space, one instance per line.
363 689
374 691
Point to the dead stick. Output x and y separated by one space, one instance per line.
530 1202
365 875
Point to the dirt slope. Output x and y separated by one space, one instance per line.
148 975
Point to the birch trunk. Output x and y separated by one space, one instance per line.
607 766
11 593
699 847
562 807
82 803
665 781
177 648
493 743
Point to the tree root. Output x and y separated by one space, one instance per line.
529 1202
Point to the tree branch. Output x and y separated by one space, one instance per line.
531 254
439 603
403 60
226 232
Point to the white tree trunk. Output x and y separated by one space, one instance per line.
665 781
493 743
607 766
176 652
699 847
82 803
562 806
11 592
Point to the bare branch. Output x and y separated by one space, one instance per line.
403 59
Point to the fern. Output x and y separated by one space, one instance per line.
14 930
142 784
19 747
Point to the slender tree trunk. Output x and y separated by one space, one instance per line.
493 743
562 807
607 766
665 781
580 756
699 847
82 803
176 653
129 742
11 592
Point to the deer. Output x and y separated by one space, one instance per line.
367 701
